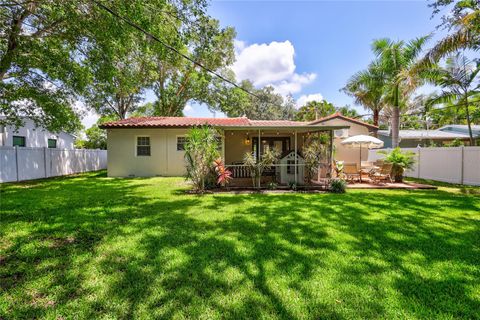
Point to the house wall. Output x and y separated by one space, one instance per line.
164 160
235 146
343 153
35 137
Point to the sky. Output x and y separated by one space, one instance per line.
311 48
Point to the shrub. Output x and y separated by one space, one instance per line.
400 160
201 149
292 185
272 185
338 186
223 174
455 143
268 158
314 150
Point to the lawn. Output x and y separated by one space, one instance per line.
93 247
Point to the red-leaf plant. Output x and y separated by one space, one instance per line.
223 174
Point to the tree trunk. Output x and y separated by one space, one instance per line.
376 115
395 119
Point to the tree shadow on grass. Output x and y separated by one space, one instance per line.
155 254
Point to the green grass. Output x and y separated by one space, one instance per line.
89 247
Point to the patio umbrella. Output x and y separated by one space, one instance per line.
362 141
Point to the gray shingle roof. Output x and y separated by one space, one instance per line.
426 134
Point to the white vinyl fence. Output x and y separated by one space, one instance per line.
17 163
455 165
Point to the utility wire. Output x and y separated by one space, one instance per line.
186 57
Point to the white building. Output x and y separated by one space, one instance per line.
29 135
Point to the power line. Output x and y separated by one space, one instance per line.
155 38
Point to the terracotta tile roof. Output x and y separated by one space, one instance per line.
145 122
341 116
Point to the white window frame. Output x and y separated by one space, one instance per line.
136 145
176 142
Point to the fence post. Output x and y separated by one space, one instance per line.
16 162
462 165
45 160
418 161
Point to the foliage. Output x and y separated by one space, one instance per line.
272 185
400 160
224 176
459 81
266 105
463 22
455 143
338 185
367 87
40 76
292 185
201 150
178 81
397 60
347 111
314 151
314 110
267 159
96 138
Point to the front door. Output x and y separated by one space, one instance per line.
281 144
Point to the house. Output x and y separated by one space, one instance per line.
29 135
154 146
425 138
356 127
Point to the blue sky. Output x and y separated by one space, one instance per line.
313 47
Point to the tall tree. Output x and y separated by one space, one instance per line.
40 61
460 83
397 60
367 87
314 110
178 81
464 23
266 104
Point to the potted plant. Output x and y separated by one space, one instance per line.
400 161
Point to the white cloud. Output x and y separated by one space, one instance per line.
307 98
270 64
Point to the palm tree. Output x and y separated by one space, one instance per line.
460 84
464 21
397 60
367 88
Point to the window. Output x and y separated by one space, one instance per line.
52 143
181 143
143 146
19 141
291 166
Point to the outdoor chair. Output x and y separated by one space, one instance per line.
383 174
351 172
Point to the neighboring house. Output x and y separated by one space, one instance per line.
356 127
150 146
426 138
29 135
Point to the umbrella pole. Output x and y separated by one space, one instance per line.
360 163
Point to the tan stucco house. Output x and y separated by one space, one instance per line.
355 127
153 146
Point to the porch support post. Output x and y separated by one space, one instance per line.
296 160
223 146
259 157
330 154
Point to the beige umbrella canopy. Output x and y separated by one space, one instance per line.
362 141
